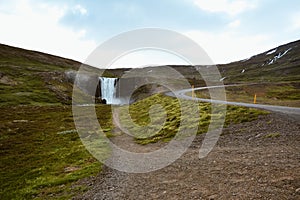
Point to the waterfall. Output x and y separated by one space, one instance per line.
108 90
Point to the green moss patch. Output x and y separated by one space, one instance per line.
272 135
164 125
42 154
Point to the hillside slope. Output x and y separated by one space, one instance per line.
35 78
278 64
40 150
30 77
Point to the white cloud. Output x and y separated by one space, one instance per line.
231 7
228 46
234 24
80 9
223 47
147 57
35 26
295 21
32 25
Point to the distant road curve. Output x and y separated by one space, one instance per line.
283 109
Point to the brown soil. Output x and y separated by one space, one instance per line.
245 164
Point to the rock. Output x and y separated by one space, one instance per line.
6 80
20 121
70 76
68 131
98 100
212 197
71 169
297 191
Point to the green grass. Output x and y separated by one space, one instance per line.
289 92
41 152
39 145
272 135
171 120
273 93
32 81
29 88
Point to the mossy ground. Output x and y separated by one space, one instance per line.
26 86
171 120
272 135
42 154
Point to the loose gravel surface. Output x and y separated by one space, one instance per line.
253 160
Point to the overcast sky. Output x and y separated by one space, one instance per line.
228 30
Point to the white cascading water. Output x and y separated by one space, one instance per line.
108 90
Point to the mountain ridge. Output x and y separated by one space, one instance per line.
5 51
32 77
280 63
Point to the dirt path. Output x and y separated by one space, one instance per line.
245 164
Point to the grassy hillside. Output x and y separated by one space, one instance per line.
276 74
33 78
279 64
41 152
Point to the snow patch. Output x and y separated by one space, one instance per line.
222 79
271 52
280 55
